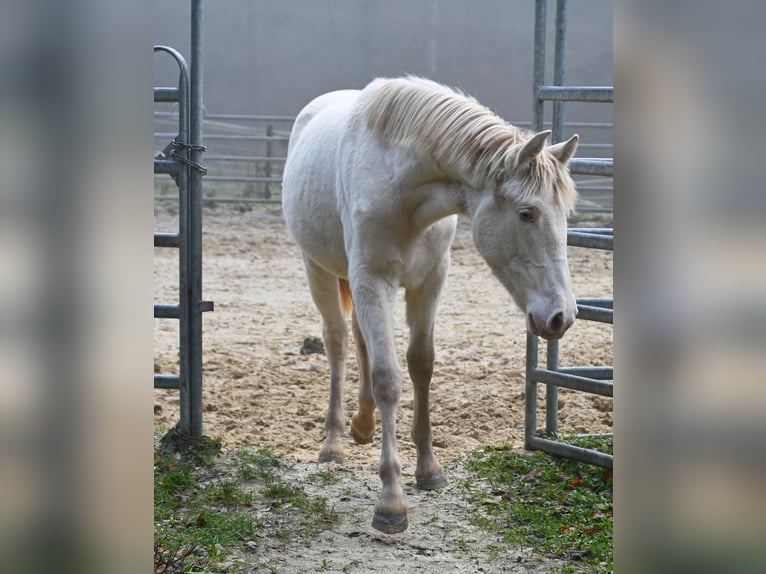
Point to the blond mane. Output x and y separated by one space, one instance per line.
459 132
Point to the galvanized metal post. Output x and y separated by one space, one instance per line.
267 167
552 391
530 394
539 63
591 379
195 223
559 72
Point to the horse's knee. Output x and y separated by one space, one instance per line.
335 339
386 385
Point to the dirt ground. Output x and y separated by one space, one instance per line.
260 390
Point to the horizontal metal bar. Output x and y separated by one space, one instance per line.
599 314
167 312
595 145
591 240
243 158
205 306
594 230
167 382
211 137
591 166
166 166
243 179
573 382
594 209
166 94
586 455
600 373
234 117
167 240
259 118
604 302
222 199
603 94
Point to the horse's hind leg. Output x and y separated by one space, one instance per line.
363 422
326 294
421 313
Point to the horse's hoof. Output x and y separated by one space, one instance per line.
330 456
360 438
390 523
431 481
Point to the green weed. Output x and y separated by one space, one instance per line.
555 505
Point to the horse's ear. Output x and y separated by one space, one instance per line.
565 150
532 148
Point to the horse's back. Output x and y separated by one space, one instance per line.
308 194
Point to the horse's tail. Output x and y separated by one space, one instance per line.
346 301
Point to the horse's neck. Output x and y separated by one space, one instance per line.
437 200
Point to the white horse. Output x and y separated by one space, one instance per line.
373 184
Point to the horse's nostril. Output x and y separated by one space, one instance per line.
556 322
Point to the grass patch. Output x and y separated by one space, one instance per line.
557 506
205 508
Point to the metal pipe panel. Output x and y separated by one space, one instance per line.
167 382
573 382
604 94
559 68
167 312
195 222
530 392
552 391
166 95
600 373
166 240
570 451
166 166
591 166
538 115
599 314
592 240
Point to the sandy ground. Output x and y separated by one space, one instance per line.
259 389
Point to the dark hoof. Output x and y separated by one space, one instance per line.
361 439
431 481
390 523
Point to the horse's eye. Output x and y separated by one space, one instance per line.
527 215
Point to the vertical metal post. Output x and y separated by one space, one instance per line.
530 393
195 225
184 206
552 391
539 63
559 64
267 167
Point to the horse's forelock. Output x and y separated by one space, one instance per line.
546 173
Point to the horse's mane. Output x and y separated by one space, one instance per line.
458 131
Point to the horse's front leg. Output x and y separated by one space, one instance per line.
421 314
373 300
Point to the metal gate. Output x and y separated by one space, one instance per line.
181 160
597 380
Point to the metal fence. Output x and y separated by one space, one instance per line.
246 156
180 159
591 379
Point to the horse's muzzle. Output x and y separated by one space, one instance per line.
552 327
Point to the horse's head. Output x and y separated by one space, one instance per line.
520 229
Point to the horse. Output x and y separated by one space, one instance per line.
373 185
